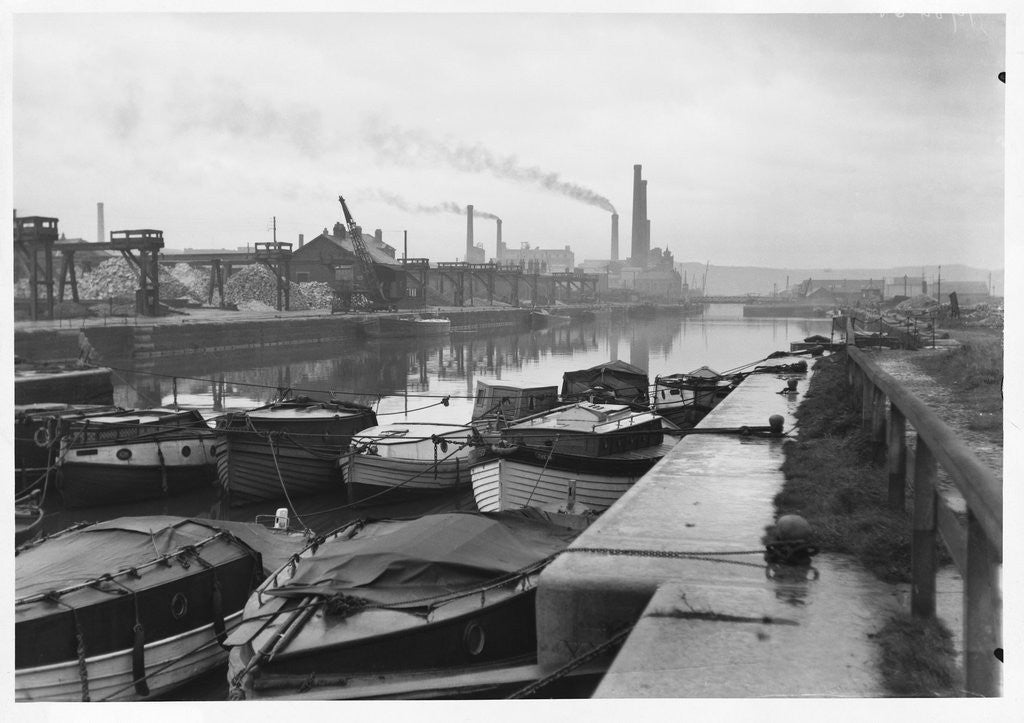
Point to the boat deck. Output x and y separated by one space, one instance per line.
712 625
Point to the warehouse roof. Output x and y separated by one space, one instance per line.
381 253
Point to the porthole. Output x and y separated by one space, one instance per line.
124 453
473 639
186 451
179 606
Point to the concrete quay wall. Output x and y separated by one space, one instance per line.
213 331
702 622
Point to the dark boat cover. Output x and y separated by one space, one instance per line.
392 561
275 547
614 381
106 547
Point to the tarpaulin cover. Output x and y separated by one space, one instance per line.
624 381
274 546
396 561
105 547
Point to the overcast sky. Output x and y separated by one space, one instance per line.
780 140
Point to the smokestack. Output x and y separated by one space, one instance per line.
636 237
469 233
99 222
647 241
615 237
378 236
500 252
644 247
302 240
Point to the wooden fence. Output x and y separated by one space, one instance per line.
974 543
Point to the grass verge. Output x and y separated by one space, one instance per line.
832 481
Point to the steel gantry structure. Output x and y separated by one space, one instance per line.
37 235
276 257
464 282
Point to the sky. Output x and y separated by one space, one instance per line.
781 140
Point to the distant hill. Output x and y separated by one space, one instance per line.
739 280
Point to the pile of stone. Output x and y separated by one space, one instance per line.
317 294
115 279
196 283
257 284
252 283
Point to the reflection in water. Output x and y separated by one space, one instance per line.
397 376
791 582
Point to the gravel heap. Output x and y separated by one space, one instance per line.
114 278
257 284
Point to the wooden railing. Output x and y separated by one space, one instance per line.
974 543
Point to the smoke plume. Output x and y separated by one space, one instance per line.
406 146
446 207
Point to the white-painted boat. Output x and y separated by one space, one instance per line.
584 453
409 458
685 399
134 455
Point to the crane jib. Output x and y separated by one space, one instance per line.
371 284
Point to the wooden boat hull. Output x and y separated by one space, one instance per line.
286 449
173 662
368 475
506 483
250 469
95 475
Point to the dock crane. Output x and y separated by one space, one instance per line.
371 285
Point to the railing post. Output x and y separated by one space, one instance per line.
878 426
983 608
897 458
867 400
922 553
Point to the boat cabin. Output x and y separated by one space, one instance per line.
499 403
412 440
588 429
131 424
702 388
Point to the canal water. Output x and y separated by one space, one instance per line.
419 380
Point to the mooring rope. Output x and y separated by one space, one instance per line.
543 470
284 487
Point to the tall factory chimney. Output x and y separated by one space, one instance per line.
636 233
99 222
647 241
469 233
500 251
615 237
645 229
302 240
